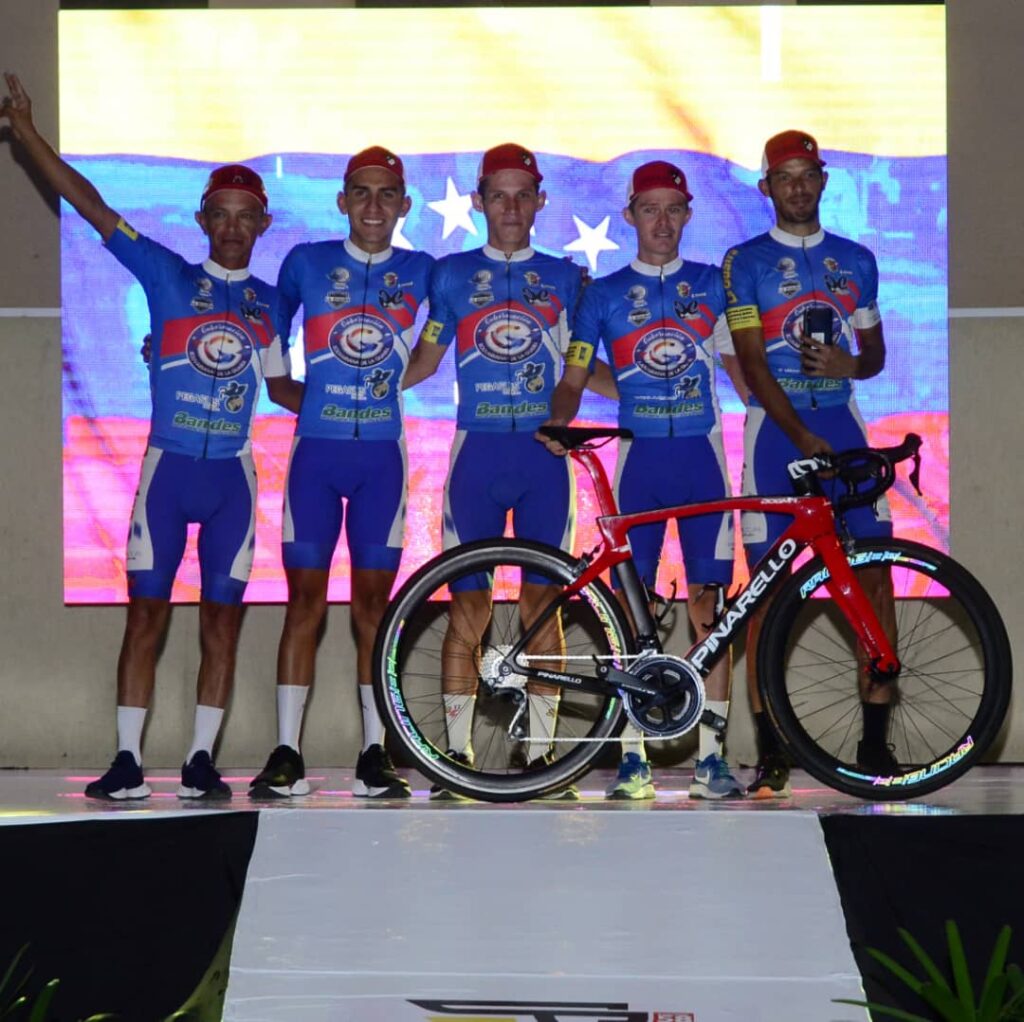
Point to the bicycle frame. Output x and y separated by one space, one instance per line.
813 526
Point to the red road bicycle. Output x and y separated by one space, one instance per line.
951 663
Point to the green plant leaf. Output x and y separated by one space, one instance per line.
997 963
958 962
896 969
41 1007
10 969
922 956
944 1001
990 1007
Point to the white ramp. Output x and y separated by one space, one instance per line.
399 915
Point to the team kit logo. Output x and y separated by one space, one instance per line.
664 353
361 340
507 335
221 350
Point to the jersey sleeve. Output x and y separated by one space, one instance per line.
147 260
289 294
440 325
586 331
866 314
275 358
741 308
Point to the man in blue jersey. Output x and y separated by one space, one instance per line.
213 341
359 299
662 320
798 296
506 310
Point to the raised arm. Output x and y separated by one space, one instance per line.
16 107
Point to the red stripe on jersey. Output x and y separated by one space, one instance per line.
176 332
548 316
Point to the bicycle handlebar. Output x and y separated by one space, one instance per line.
860 465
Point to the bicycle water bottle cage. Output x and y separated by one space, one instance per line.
666 604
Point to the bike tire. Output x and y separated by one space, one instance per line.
407 674
953 689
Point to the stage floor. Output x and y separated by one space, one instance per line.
40 795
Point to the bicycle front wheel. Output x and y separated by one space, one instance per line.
449 629
952 692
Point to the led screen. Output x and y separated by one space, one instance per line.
150 100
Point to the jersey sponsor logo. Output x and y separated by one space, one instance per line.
787 267
664 353
639 316
203 302
532 377
339 413
250 311
790 288
793 324
687 310
683 289
532 278
361 339
831 264
390 279
339 276
219 349
233 396
637 294
337 298
201 425
536 296
836 283
481 298
391 299
521 409
507 335
378 383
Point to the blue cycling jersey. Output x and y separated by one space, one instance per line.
213 341
772 280
359 311
661 326
510 319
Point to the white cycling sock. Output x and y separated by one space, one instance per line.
458 714
204 733
291 704
707 737
130 721
543 711
373 726
633 741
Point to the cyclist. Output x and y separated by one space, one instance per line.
359 298
662 320
213 340
508 310
797 297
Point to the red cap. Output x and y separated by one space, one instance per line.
657 174
508 156
235 177
789 145
376 156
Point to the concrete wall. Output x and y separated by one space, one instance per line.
57 663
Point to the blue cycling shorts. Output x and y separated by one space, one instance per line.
176 489
766 453
657 472
370 476
492 474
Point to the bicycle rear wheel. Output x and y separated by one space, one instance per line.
953 688
424 637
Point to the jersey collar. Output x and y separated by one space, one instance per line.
367 257
516 257
649 270
218 271
796 240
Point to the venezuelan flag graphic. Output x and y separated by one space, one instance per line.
150 100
